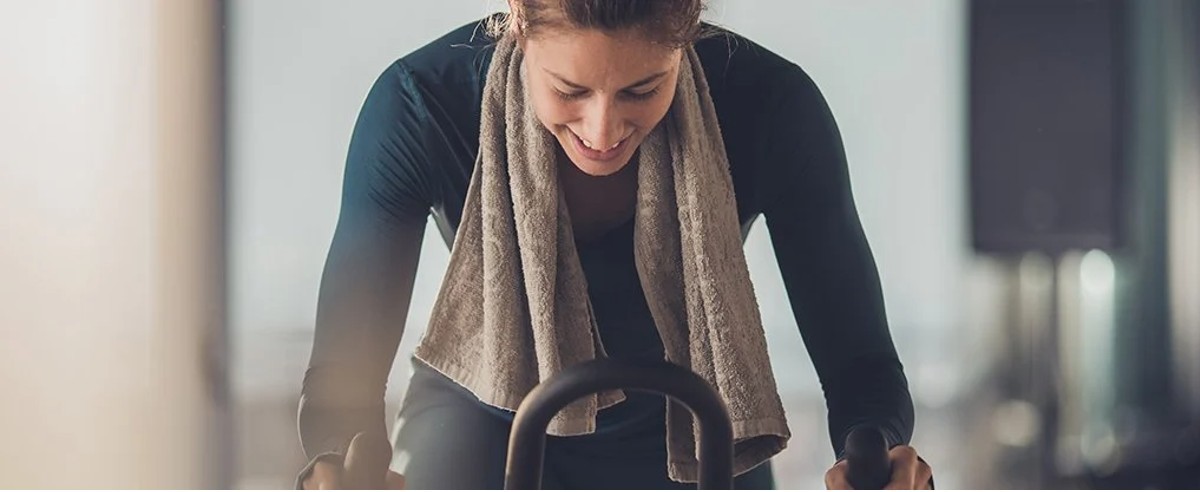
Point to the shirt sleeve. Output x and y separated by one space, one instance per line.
367 282
827 265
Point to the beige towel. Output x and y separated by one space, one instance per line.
514 310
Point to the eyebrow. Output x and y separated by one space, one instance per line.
639 83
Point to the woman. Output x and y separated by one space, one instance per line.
624 96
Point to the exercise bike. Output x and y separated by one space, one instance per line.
866 449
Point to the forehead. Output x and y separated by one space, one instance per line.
599 58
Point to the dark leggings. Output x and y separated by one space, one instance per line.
446 439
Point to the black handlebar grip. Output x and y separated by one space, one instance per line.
366 463
868 467
527 442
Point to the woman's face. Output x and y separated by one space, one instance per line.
600 93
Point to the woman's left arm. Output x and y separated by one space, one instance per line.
831 277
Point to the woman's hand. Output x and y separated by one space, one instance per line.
909 472
328 476
365 466
324 476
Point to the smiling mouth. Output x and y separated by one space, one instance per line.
584 147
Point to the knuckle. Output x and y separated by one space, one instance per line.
833 477
905 452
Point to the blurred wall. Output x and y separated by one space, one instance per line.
892 73
109 262
298 74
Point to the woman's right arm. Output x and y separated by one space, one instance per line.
368 278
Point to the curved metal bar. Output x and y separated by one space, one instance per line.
527 443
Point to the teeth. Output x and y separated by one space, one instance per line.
593 147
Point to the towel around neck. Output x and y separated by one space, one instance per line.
513 309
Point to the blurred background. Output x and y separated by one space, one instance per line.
1027 172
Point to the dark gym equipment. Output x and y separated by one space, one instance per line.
867 463
527 443
1047 137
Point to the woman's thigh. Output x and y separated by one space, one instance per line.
450 447
445 440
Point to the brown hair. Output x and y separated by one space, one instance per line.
672 22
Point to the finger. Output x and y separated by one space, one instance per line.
323 476
331 483
835 478
924 475
395 481
367 459
904 468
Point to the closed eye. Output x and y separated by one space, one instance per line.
571 96
641 96
631 92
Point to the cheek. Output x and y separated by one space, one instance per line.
649 115
550 110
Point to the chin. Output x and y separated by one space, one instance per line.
599 169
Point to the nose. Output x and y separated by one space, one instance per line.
602 125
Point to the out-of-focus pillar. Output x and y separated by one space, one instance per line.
190 285
1183 202
111 264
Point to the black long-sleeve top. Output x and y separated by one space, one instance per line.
412 153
